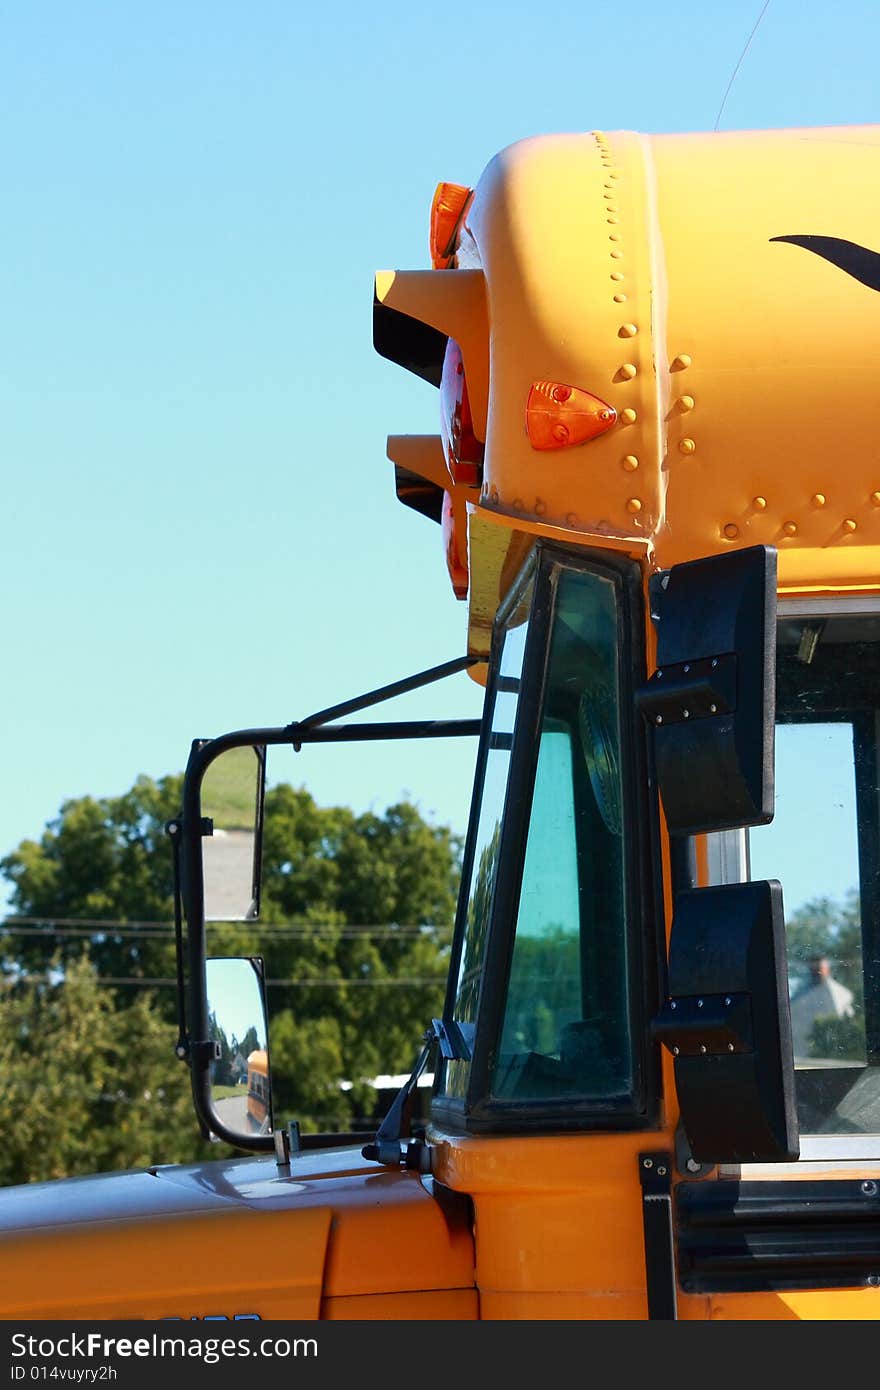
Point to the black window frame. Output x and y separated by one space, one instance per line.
479 1112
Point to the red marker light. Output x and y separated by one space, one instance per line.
456 549
559 416
447 209
463 451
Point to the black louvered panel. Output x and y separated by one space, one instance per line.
740 1237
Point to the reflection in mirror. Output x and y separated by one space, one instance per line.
240 1084
232 798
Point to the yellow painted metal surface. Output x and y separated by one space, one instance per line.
784 345
560 234
390 1236
811 1305
649 271
742 368
221 1239
435 1305
558 1221
177 1265
456 307
561 1307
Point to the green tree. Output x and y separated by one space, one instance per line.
355 933
85 1088
101 860
375 898
823 927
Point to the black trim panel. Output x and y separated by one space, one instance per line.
409 343
741 1237
419 493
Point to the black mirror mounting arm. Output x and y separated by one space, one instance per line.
173 830
191 827
386 1146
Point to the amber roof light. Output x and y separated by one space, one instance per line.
559 416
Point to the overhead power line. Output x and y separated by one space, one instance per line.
339 982
739 63
77 927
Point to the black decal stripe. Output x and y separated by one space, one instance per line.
858 261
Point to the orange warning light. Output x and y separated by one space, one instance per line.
559 416
447 209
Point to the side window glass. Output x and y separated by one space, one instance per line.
823 847
566 1029
488 835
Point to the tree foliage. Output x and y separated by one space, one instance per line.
101 860
823 927
355 933
86 1086
376 898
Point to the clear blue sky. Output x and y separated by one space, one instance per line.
200 528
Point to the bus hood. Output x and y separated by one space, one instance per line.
332 1236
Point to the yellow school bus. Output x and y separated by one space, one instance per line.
258 1103
656 488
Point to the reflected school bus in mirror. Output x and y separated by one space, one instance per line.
259 1110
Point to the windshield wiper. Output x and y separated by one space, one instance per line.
387 1146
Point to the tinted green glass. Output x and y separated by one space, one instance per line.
566 1029
485 858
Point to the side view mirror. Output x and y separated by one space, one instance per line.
216 855
710 706
240 1093
711 702
727 1024
233 789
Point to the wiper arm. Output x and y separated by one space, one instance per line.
386 1147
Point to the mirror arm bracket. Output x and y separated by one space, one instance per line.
174 831
385 1147
204 1052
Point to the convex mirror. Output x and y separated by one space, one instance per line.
240 1086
